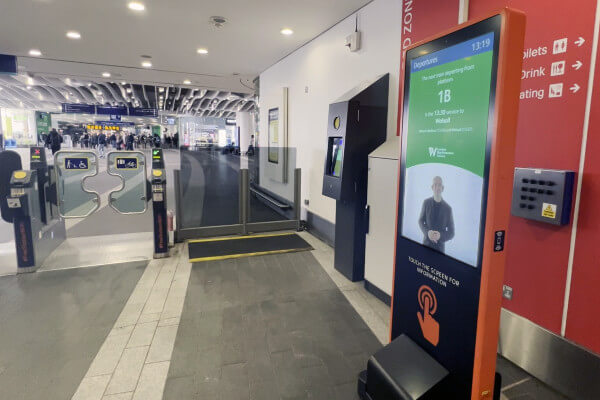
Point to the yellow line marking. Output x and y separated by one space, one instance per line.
240 237
260 253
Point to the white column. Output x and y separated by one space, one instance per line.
245 122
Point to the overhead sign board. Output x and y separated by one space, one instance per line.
110 110
143 112
115 112
77 108
8 64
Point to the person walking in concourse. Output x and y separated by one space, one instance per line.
54 139
129 142
101 144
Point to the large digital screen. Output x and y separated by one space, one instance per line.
336 149
445 147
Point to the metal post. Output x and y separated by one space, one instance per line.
297 195
244 200
178 209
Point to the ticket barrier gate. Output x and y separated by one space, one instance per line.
73 168
38 201
159 212
159 204
29 205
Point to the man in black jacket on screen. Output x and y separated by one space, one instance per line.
436 221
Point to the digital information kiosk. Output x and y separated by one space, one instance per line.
459 116
357 125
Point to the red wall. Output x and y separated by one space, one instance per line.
583 325
549 136
550 133
420 19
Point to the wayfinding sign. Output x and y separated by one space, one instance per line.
460 102
80 163
127 163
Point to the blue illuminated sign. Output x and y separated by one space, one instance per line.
472 47
127 163
77 163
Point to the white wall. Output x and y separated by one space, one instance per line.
320 72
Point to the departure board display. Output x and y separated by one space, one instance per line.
446 147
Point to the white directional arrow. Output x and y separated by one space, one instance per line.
575 88
579 42
577 65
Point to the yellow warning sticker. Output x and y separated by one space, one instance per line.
549 210
19 174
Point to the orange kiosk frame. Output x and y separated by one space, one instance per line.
455 325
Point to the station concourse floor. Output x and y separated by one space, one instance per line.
282 326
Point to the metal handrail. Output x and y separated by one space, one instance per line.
270 199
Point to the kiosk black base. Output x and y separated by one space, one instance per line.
402 371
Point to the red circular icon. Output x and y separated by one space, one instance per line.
425 292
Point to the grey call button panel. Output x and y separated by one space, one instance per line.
543 195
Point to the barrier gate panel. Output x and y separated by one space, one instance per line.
130 166
72 168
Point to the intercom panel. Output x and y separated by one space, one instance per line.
543 195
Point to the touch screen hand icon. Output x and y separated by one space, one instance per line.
429 326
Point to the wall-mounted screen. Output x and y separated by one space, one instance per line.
445 147
274 135
335 156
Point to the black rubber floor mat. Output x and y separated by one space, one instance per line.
245 246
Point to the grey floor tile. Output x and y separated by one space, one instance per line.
264 390
532 390
55 323
278 327
179 388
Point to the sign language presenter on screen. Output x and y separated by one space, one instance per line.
436 219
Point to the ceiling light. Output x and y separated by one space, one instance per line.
35 53
73 35
28 87
202 51
30 81
187 82
147 64
106 74
128 90
287 31
161 89
68 81
89 84
136 6
123 83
